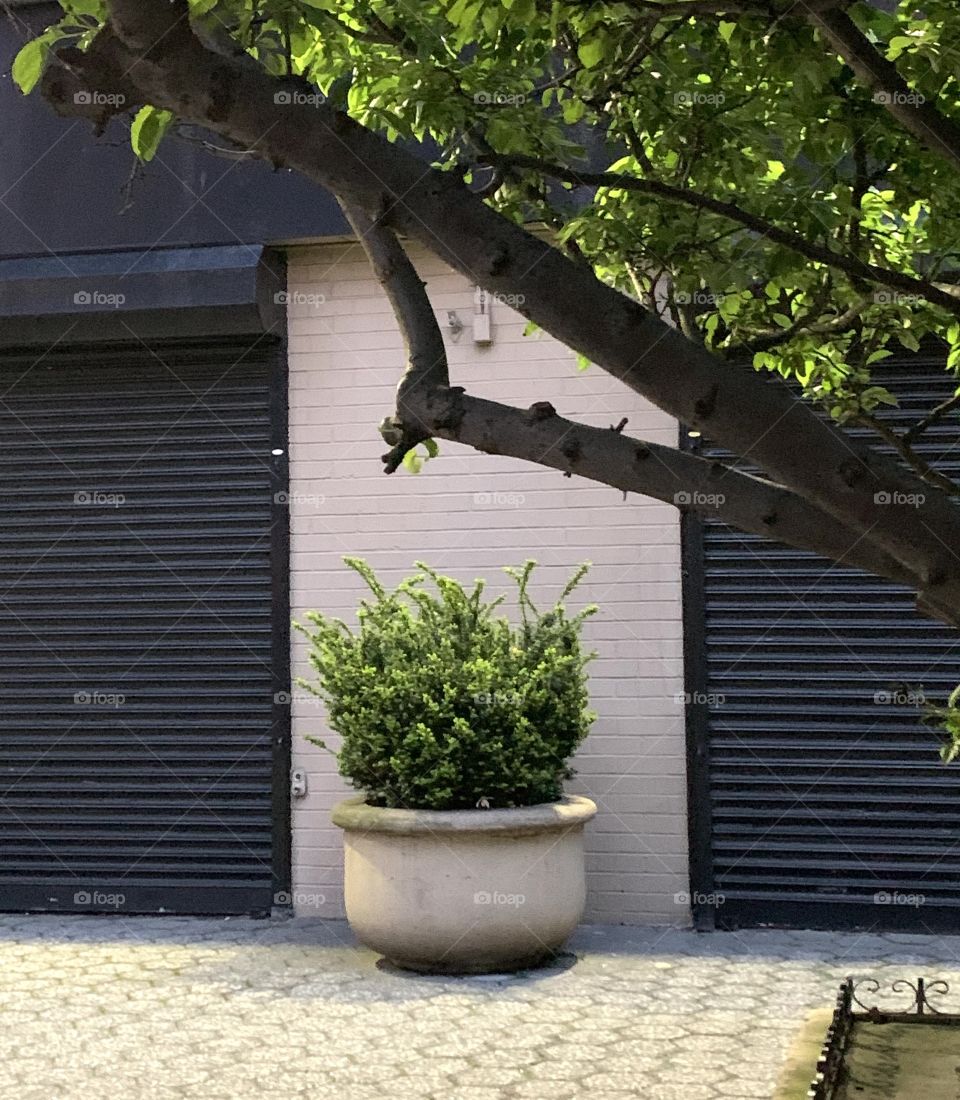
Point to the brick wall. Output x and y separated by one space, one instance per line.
469 514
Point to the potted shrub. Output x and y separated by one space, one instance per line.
462 854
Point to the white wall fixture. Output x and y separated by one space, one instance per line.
482 303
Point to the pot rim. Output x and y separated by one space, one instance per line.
572 811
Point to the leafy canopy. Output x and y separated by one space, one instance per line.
748 108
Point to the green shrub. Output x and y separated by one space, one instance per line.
443 705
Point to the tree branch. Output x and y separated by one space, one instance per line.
852 265
749 415
936 415
150 27
937 132
427 405
916 462
426 355
676 477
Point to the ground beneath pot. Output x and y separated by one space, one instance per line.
169 1008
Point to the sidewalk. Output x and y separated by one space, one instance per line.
172 1008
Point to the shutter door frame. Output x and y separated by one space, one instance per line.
197 898
832 912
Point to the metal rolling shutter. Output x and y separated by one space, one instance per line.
135 630
829 804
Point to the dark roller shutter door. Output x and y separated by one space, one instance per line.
135 630
829 804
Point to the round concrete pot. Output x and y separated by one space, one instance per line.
464 891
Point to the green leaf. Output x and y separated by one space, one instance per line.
147 130
592 50
28 64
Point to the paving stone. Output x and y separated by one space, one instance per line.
202 1009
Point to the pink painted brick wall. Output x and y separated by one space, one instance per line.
469 514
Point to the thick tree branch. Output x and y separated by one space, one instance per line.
426 355
937 132
426 405
148 27
676 477
749 415
849 263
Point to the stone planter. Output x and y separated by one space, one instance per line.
464 891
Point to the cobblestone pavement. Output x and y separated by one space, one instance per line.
170 1008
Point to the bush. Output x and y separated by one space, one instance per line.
443 705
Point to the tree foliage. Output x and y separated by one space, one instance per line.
443 705
742 107
780 181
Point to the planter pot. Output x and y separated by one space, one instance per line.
464 891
